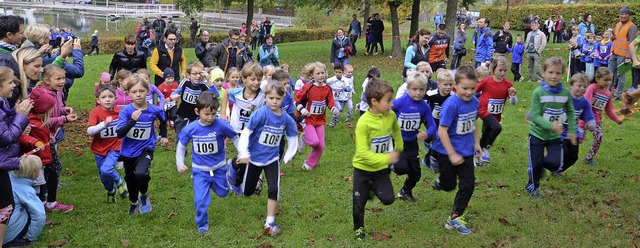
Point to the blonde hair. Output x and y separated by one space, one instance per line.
415 77
306 71
37 33
348 67
444 76
29 166
46 116
275 86
316 65
497 62
6 75
482 72
251 68
25 55
578 77
424 63
48 72
268 69
136 79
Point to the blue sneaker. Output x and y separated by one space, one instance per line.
486 157
231 173
458 223
145 204
590 161
631 89
436 184
433 164
134 209
423 162
272 229
535 194
477 162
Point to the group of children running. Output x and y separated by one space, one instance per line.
253 108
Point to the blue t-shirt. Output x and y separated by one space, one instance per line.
460 117
208 141
243 108
142 135
287 104
583 112
411 114
267 131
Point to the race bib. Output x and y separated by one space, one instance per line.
269 139
243 117
409 121
338 94
495 106
109 132
317 108
466 123
603 49
205 147
436 112
190 96
168 105
553 115
382 144
139 133
150 99
599 101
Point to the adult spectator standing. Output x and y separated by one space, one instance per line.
159 26
459 47
623 34
558 29
144 40
228 53
533 47
202 47
243 28
484 43
586 25
268 52
417 51
193 29
128 59
94 43
267 26
340 48
503 39
169 55
527 24
255 30
145 23
437 19
272 31
439 52
171 26
11 35
355 30
548 28
377 27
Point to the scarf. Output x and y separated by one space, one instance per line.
553 90
7 46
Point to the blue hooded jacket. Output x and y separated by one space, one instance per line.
484 45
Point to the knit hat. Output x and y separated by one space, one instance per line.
105 77
217 73
625 10
168 72
42 101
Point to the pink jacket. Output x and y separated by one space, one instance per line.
600 100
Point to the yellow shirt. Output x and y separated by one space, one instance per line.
376 136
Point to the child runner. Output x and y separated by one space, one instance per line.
53 80
216 79
482 72
376 131
233 81
105 78
103 121
12 121
455 145
258 147
208 160
122 99
411 112
551 105
136 128
575 44
495 92
28 218
188 91
342 91
268 73
312 102
424 68
587 54
167 87
363 106
516 58
287 102
436 98
246 100
603 50
600 97
154 92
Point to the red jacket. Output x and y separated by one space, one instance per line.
39 132
318 99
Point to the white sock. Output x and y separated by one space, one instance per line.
51 204
270 219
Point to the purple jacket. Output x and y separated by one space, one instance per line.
11 126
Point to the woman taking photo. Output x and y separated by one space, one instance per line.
417 51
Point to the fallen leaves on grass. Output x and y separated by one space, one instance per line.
380 236
265 245
375 210
173 198
504 221
124 242
311 241
171 215
348 178
502 185
330 238
610 201
58 243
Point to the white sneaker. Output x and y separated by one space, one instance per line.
119 165
301 143
305 166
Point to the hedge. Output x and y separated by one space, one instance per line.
604 15
115 44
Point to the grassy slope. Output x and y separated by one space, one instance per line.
592 206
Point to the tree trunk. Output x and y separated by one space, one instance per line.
507 18
450 21
367 11
415 17
395 28
249 16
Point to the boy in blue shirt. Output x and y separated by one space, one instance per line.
456 143
588 47
258 148
208 159
516 58
411 112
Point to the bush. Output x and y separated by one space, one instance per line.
604 15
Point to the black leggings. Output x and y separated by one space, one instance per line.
271 172
570 155
491 128
94 48
409 164
465 176
364 181
50 189
137 174
6 194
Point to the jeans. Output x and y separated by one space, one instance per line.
538 161
534 60
353 38
618 79
343 61
340 105
455 62
108 175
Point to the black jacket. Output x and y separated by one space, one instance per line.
122 60
201 53
164 61
219 55
500 43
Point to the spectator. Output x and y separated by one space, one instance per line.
559 27
355 30
533 47
168 56
527 24
228 53
11 35
572 22
586 25
437 19
439 52
503 40
171 26
29 61
340 49
159 26
268 53
377 27
193 29
94 43
267 26
145 23
624 33
272 32
243 29
202 47
262 33
143 35
459 48
484 43
128 59
255 30
418 50
547 29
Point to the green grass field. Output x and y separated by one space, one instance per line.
591 207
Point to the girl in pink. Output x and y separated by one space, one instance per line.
313 99
233 81
495 92
599 96
122 99
105 78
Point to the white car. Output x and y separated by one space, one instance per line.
83 1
